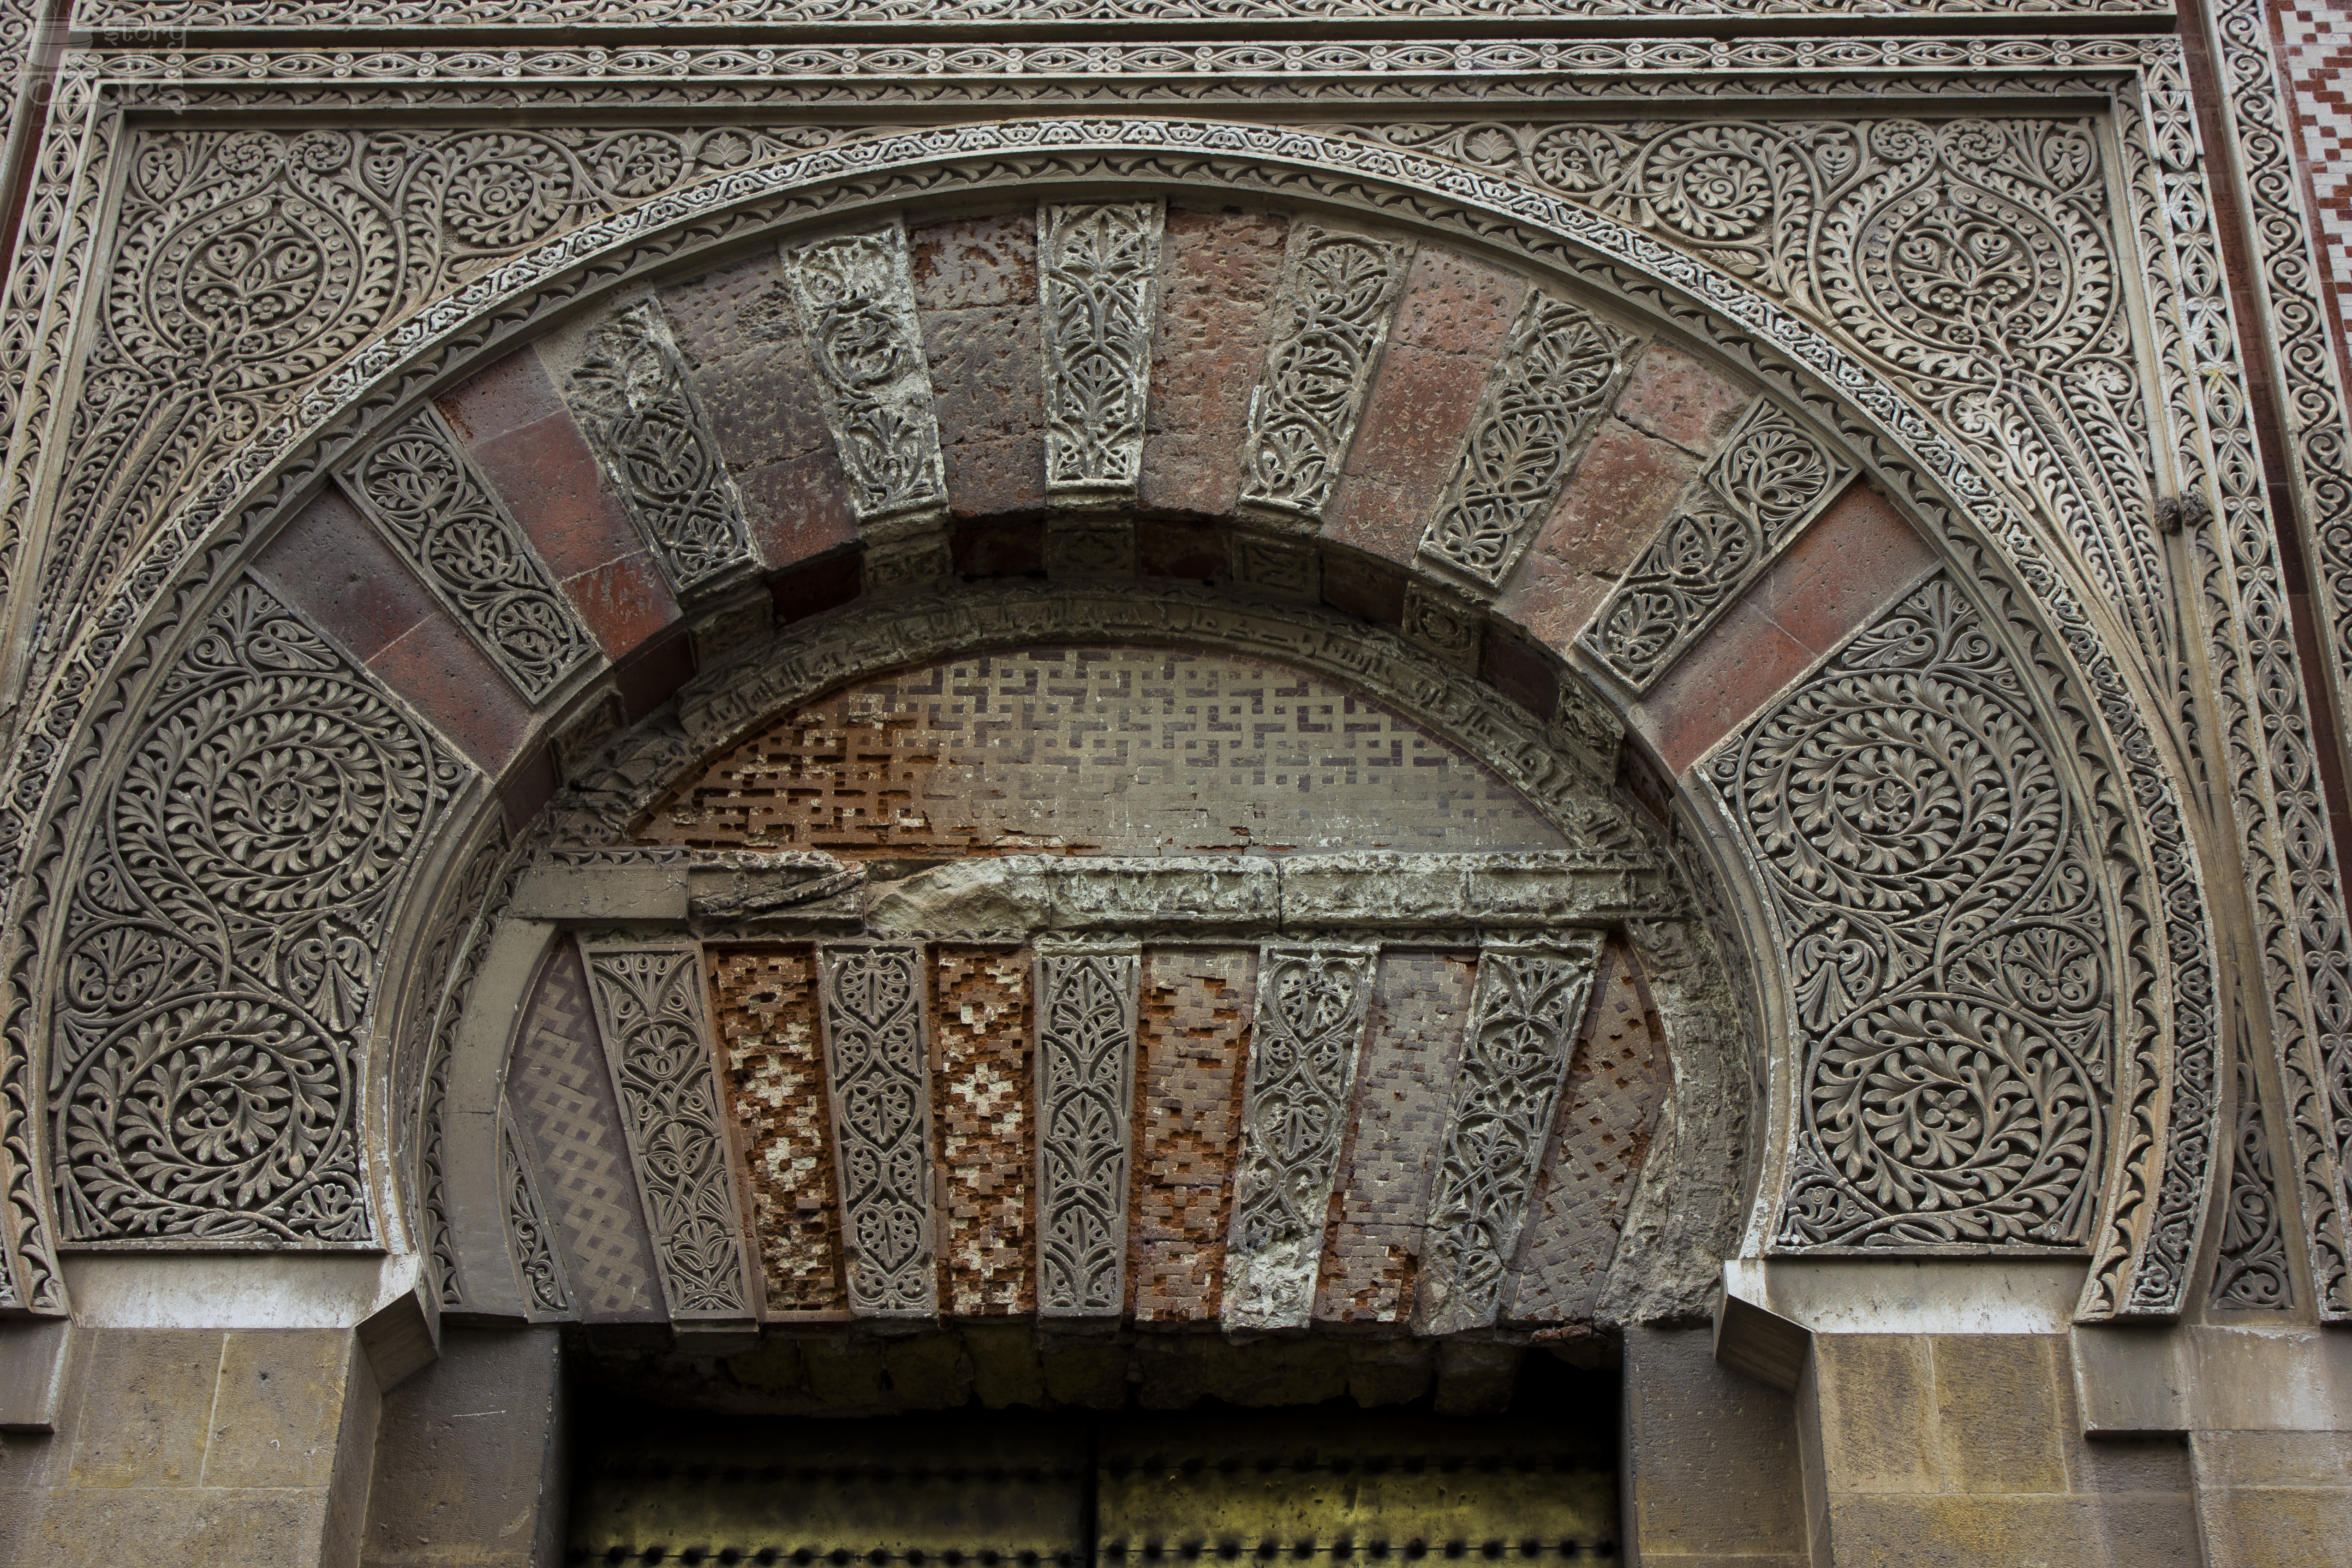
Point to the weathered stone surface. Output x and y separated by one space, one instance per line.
1678 398
469 1465
975 282
1219 271
1710 1463
1621 493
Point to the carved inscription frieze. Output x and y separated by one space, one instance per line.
876 1050
1087 1000
1946 935
856 294
640 411
650 1014
225 939
1768 481
1516 1047
420 490
1541 403
1097 279
1311 1005
1330 317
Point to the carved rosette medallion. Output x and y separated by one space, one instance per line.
1516 1047
224 940
856 295
640 411
876 1050
657 1043
420 490
1098 269
1311 1005
1330 317
1086 1094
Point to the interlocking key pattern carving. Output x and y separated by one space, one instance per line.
1757 493
1098 269
420 490
856 295
1311 1006
1086 1098
877 1053
638 406
1330 317
1542 401
1946 942
539 1271
1516 1048
225 939
649 1011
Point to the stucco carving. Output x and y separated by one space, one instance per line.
877 1066
1086 1093
1098 280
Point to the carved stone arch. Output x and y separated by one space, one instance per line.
2032 600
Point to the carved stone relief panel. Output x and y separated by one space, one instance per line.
640 408
224 940
1086 1098
1948 941
1099 272
2252 1272
1759 490
649 1010
1541 403
877 1068
1330 318
539 1268
1311 1005
422 493
856 295
1516 1043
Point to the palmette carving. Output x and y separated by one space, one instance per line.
1330 318
640 411
539 1268
1767 483
1086 1095
1098 277
225 944
876 1050
422 493
1514 1055
1311 1005
1542 401
856 300
649 1012
1948 942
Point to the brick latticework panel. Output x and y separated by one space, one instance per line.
1615 1086
763 1005
562 1094
1412 1045
980 1104
1193 1051
1111 750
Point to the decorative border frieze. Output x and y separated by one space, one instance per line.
1087 1000
877 1072
1098 292
425 497
1311 1007
540 1279
658 1042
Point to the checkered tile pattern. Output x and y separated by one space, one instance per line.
2313 42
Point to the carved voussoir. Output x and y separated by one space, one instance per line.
876 1053
650 1014
1086 1012
1267 566
1099 269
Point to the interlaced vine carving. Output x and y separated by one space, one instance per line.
1949 944
1515 1056
1086 1095
1755 495
1330 316
640 411
649 1012
2252 1272
856 298
422 493
878 1057
539 1271
1311 1004
1098 277
226 940
1542 401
